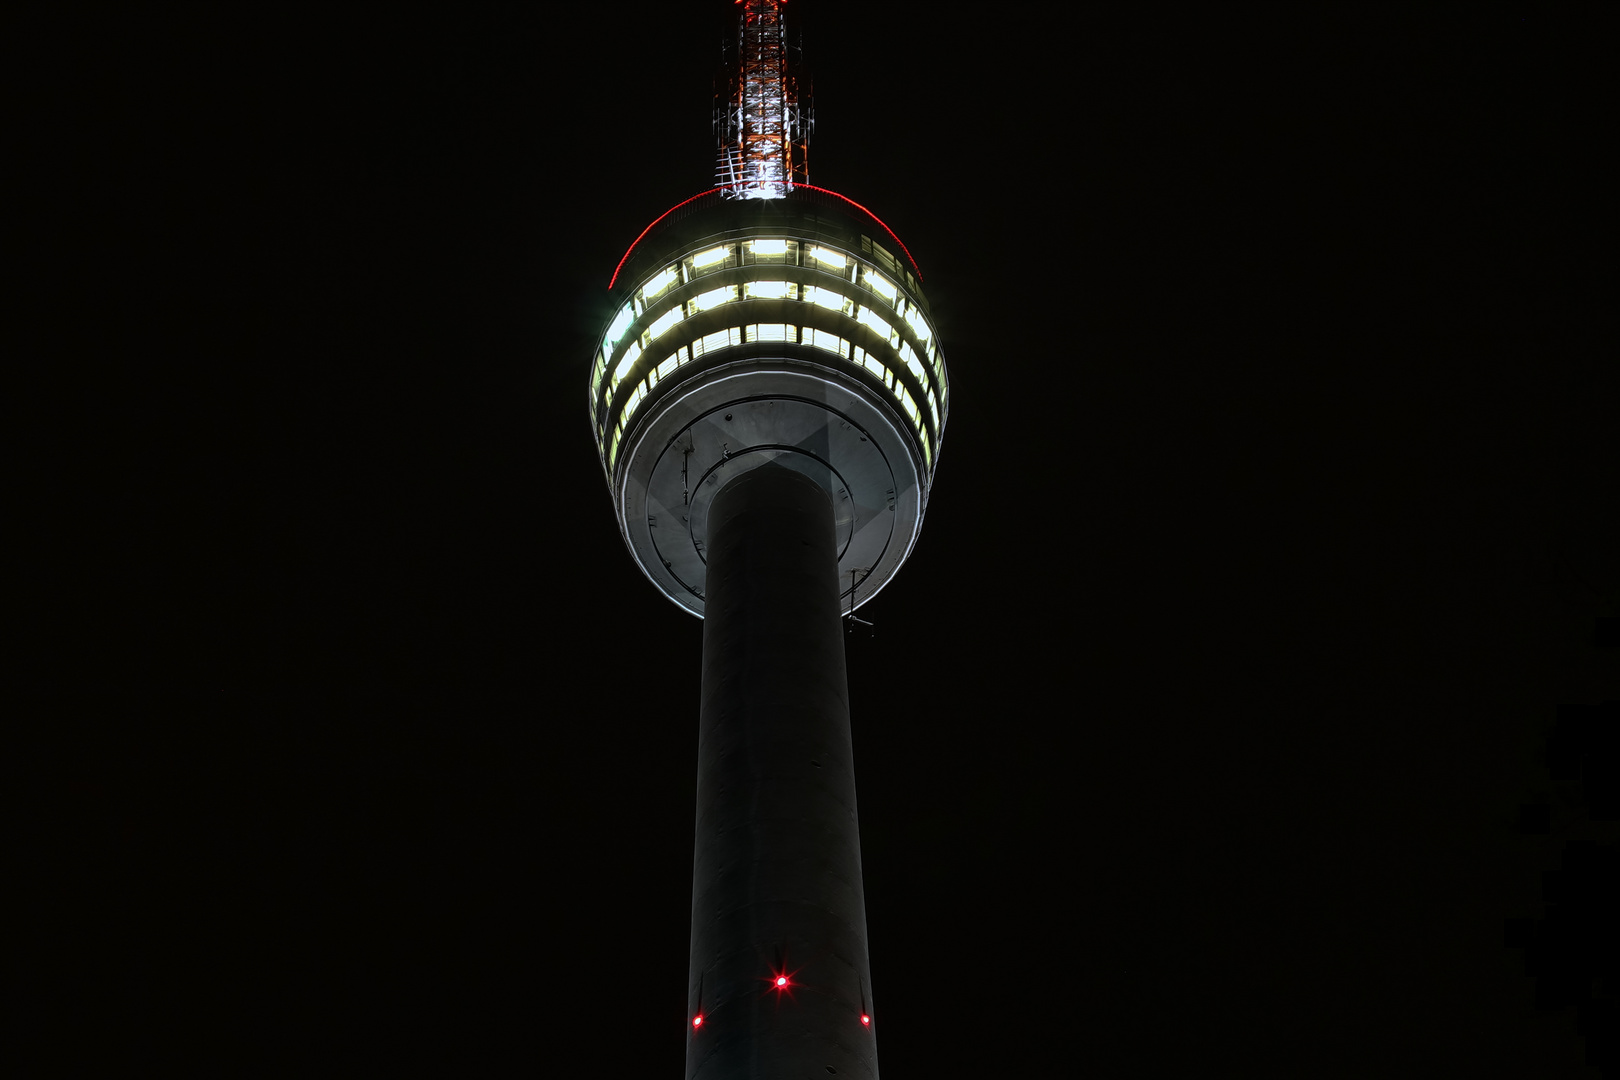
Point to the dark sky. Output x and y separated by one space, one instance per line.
1205 733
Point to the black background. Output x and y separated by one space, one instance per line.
1197 736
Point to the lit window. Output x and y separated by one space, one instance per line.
769 247
768 290
665 321
914 317
821 339
621 323
720 339
877 369
659 282
828 257
773 332
913 364
668 366
631 355
714 298
710 257
871 319
826 298
878 284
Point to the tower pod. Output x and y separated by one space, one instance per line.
790 330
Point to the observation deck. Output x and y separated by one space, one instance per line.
790 330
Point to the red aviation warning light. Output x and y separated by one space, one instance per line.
781 980
697 1021
866 1020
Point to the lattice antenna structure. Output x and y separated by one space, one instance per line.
762 121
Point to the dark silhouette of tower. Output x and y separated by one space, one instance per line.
768 402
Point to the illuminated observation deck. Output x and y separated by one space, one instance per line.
790 330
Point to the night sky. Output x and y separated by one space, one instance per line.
1212 729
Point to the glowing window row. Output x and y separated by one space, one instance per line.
787 334
870 317
762 251
822 297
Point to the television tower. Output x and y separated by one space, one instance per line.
768 401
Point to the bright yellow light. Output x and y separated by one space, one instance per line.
877 322
825 298
913 364
829 257
879 285
659 282
768 290
621 323
714 297
665 321
769 247
720 339
821 339
710 257
773 332
914 317
631 355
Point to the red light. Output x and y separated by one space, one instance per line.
666 214
866 1019
865 211
716 191
781 980
697 1021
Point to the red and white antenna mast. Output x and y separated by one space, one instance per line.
760 122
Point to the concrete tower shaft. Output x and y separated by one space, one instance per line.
776 880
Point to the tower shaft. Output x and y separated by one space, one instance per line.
776 888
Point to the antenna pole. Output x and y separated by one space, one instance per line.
762 128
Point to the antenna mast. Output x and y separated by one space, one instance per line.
760 124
